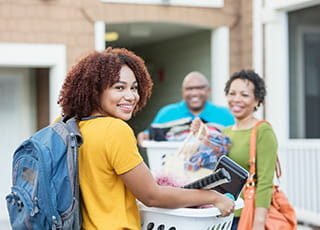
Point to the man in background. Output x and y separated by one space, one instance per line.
195 94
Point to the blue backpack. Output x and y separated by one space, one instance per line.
45 187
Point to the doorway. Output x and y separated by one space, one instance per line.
17 119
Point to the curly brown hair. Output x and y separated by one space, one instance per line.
87 79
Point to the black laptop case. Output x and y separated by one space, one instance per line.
238 175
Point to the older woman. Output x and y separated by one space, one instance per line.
245 92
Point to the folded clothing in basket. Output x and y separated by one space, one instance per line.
211 148
168 179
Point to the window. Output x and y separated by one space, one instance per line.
304 68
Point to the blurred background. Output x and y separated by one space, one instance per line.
41 39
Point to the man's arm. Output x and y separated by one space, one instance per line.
166 114
142 136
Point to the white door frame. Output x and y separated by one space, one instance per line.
17 122
52 56
220 64
36 55
299 68
275 20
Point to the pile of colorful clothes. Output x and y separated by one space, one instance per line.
210 150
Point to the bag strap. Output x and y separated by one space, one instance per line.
253 149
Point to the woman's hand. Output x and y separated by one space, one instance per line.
225 205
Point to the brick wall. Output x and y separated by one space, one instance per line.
241 37
47 21
71 23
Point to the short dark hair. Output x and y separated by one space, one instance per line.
87 79
258 82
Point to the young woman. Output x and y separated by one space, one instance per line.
103 90
245 92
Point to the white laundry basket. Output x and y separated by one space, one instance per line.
185 218
157 151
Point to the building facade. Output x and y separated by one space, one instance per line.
290 41
40 40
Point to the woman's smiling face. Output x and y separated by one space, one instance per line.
241 98
120 99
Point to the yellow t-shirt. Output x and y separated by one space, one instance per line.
108 150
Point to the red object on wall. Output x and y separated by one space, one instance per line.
160 75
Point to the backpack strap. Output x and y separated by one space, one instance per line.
72 124
68 127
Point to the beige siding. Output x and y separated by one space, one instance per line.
47 22
72 23
241 38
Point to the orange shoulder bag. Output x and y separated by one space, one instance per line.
281 214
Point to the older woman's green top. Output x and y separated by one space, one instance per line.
266 155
